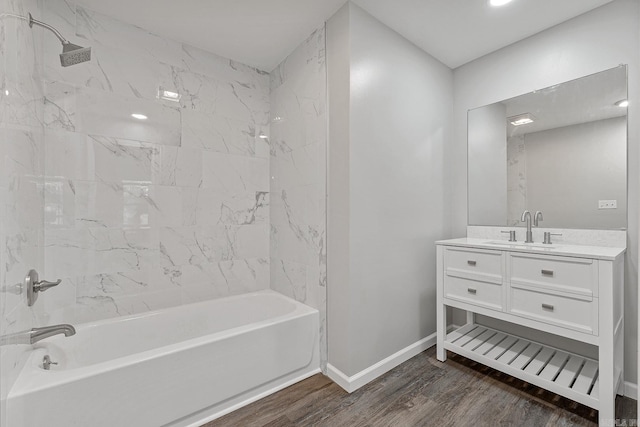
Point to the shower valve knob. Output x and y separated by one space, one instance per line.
34 285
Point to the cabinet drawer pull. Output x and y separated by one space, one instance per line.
472 291
547 307
473 263
547 272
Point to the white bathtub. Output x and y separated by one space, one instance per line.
177 367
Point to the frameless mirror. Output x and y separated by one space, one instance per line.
560 150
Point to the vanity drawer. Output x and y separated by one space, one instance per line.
474 292
562 274
474 264
568 312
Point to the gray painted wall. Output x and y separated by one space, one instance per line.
593 42
488 171
389 124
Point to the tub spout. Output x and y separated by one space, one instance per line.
36 334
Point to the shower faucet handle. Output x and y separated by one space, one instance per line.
43 285
34 285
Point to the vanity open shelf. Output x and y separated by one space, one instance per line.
567 292
561 372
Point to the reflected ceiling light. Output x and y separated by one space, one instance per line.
622 103
168 95
139 116
262 136
6 92
521 119
499 2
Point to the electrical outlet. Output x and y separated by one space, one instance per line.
607 204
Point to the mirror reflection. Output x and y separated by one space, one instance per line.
560 150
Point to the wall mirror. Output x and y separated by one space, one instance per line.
561 150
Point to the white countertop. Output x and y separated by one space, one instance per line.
580 251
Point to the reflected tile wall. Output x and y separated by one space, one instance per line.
298 174
146 214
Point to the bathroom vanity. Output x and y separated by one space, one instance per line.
573 292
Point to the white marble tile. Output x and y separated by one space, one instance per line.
246 209
59 203
234 174
96 27
68 156
61 107
23 204
202 62
198 91
212 132
99 204
96 307
298 178
20 152
290 279
110 115
119 160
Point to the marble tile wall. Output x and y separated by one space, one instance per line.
21 163
298 177
147 214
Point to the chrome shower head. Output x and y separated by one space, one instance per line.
73 54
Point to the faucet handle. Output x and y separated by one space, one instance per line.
34 285
43 285
512 234
547 237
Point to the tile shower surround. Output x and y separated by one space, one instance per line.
190 203
21 171
146 214
298 170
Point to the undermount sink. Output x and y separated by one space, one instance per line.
521 245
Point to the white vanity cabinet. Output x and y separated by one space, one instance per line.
569 291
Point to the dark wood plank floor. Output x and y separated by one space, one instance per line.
422 392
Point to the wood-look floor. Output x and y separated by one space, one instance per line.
422 392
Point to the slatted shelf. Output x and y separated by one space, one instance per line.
566 374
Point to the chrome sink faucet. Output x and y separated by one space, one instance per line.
526 217
36 334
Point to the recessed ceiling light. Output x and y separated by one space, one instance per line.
168 95
521 119
139 116
499 2
622 103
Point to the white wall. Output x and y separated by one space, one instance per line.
389 211
595 41
488 171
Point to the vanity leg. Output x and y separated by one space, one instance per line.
608 320
471 318
441 309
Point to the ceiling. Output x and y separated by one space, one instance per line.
262 33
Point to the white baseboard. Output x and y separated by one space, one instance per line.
631 390
354 382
